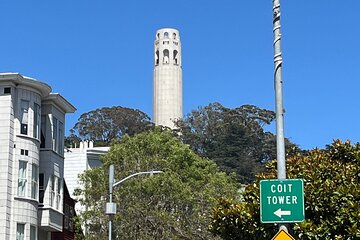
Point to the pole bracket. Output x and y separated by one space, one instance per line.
110 208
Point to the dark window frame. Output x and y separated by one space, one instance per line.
7 90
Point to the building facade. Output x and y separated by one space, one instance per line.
32 123
77 160
69 229
167 86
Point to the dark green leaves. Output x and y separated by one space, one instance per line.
332 197
233 138
106 124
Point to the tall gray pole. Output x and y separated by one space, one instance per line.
110 206
111 183
280 143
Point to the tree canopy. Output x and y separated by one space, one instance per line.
234 138
105 124
173 205
332 198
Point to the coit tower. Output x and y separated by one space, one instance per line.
167 98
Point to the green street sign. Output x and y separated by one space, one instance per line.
282 201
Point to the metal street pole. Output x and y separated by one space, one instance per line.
280 145
280 142
110 206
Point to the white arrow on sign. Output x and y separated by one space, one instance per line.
281 213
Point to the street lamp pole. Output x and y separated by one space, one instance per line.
280 139
280 143
111 206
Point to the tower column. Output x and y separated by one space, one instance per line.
167 87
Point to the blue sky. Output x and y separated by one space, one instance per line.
100 54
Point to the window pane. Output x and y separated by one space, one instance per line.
66 216
55 134
52 191
37 119
71 216
34 181
20 231
24 116
43 131
7 90
24 111
33 233
41 188
53 183
41 181
61 138
22 178
58 191
59 185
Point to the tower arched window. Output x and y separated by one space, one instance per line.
175 56
166 35
166 56
157 57
174 35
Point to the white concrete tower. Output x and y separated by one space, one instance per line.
167 99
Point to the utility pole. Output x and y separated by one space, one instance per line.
280 141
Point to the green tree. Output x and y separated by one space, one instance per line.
105 124
332 198
233 138
173 205
72 140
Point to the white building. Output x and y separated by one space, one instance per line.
78 160
32 122
167 87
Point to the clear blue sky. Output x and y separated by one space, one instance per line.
100 54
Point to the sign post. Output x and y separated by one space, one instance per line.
282 201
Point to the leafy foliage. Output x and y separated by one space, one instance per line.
106 124
233 138
72 140
332 198
172 205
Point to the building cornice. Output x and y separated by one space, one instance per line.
60 102
19 80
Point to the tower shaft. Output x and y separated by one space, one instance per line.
167 98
